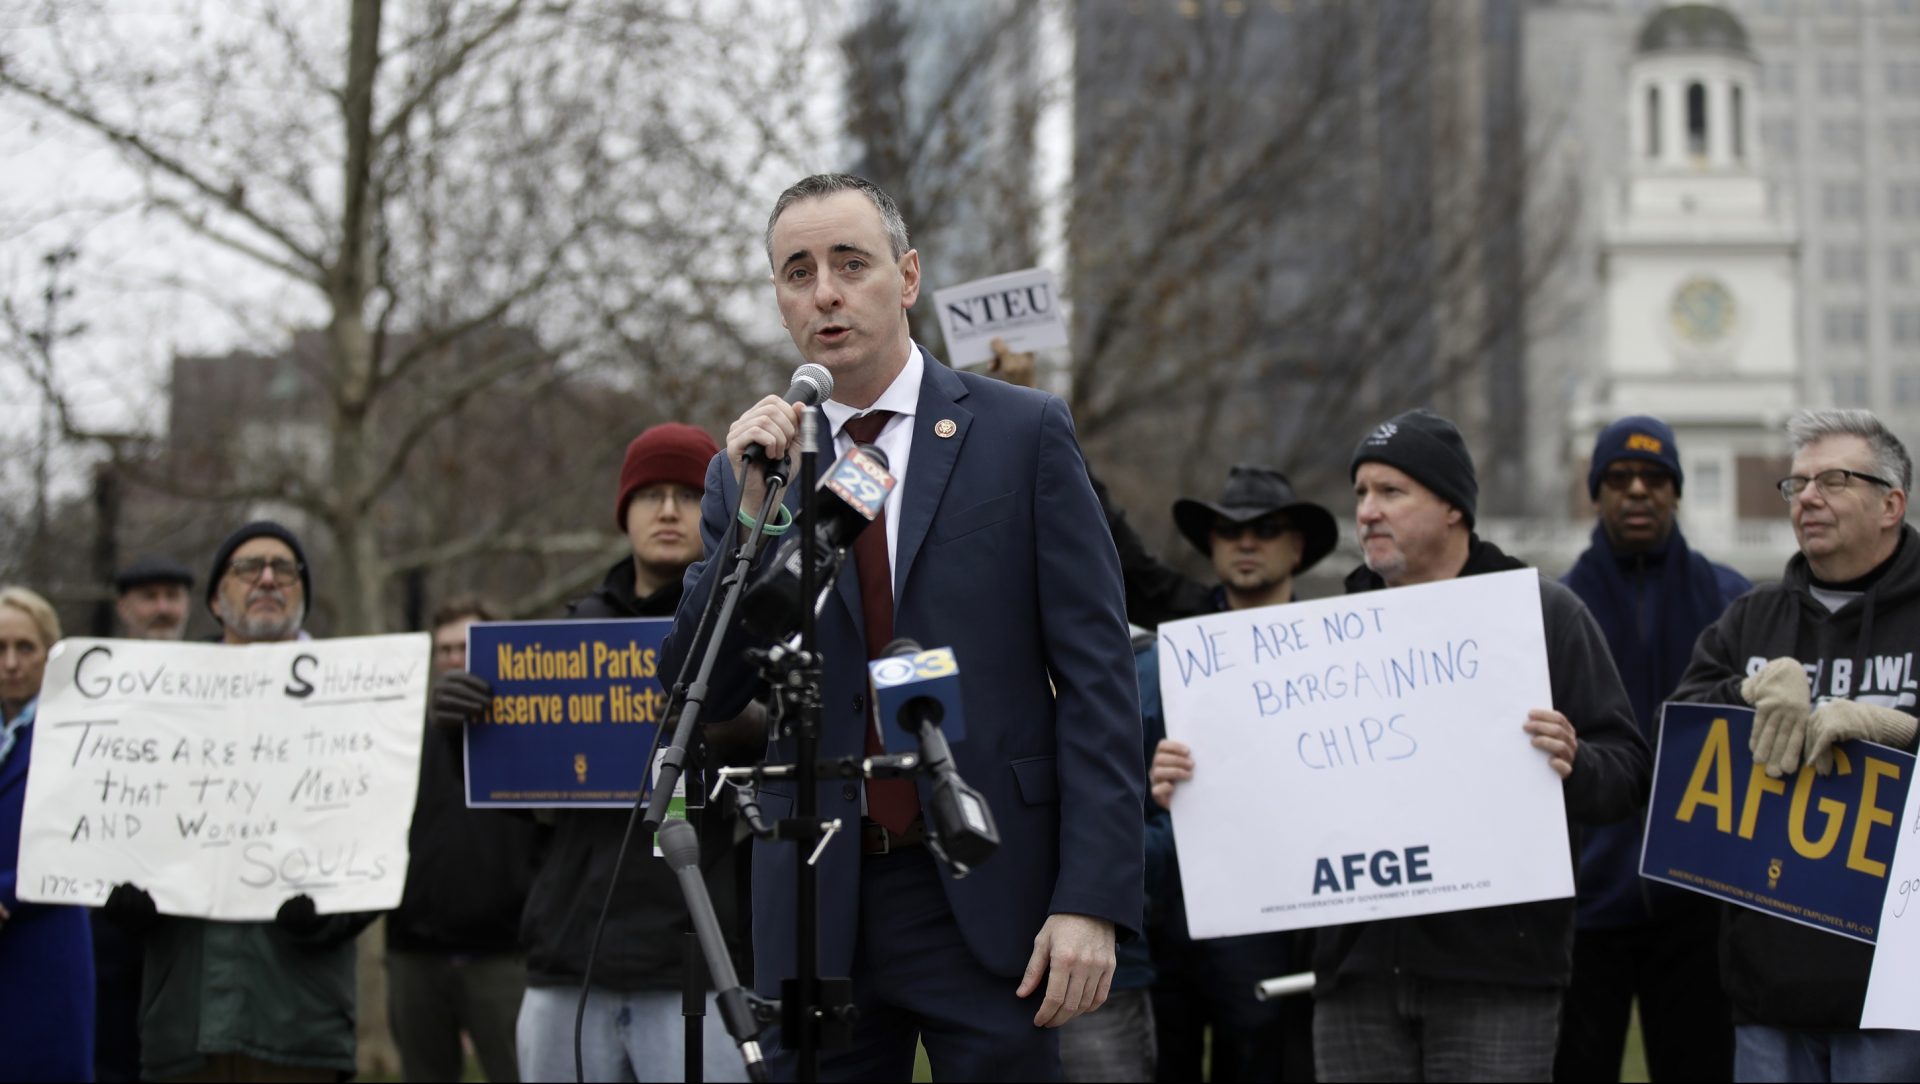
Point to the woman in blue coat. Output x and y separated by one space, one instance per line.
46 953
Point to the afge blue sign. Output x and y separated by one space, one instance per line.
575 706
1810 848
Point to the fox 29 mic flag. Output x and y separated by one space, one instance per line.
1369 751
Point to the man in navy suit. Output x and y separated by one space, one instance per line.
995 546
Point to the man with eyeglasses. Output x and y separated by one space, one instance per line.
1823 656
1259 535
248 1000
1651 594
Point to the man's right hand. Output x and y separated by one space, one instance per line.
1172 765
1781 703
772 423
458 698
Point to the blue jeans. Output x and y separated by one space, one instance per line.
1814 1055
625 1037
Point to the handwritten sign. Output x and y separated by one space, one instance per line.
1021 307
575 705
1367 752
1893 987
225 779
1811 848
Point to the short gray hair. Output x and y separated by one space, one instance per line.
826 184
1889 455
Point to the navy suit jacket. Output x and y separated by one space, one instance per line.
1004 556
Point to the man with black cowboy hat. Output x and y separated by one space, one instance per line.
1475 994
1258 535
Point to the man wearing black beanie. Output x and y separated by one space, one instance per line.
1467 995
248 1000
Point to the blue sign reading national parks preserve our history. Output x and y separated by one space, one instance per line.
575 707
1808 847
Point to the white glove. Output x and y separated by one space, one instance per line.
1780 700
1844 720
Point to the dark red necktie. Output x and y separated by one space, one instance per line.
891 802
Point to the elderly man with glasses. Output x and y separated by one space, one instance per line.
248 1000
1652 594
1823 656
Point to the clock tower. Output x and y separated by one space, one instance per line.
1698 264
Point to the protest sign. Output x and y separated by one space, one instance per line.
224 779
1021 307
575 706
1893 987
1363 757
1810 848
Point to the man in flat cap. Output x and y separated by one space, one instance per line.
150 597
1258 535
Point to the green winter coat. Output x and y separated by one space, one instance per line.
248 988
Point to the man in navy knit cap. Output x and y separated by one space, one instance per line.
1652 595
1465 995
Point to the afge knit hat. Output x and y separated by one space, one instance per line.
1642 437
669 452
1430 450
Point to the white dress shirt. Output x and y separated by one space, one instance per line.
896 440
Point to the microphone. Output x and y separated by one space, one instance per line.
848 498
680 846
811 384
921 689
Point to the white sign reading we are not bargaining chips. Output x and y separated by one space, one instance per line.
1363 757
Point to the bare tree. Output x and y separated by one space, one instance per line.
422 175
1287 221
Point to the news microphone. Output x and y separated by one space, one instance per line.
680 846
921 691
812 384
848 498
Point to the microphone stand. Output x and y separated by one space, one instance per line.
673 762
804 997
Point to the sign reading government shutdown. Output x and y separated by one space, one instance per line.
575 706
224 779
1363 757
1810 848
1021 307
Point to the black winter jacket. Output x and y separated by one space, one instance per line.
470 869
641 947
1523 944
1780 973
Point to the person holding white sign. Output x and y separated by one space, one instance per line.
1258 536
1463 995
1824 655
248 1000
46 953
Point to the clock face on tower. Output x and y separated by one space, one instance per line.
1702 310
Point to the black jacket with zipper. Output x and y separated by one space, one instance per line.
1523 944
1780 973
